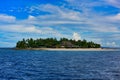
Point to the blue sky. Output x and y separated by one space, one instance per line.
93 20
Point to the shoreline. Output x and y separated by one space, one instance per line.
70 49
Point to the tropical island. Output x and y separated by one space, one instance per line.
55 44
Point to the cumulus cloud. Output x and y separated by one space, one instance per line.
76 36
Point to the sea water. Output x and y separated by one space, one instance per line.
59 65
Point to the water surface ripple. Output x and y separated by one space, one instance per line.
59 65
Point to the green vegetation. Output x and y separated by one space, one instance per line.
54 43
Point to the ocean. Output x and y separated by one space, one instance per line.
59 65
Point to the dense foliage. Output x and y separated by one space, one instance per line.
54 43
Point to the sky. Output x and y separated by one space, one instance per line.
93 20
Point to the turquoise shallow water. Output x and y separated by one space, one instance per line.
59 65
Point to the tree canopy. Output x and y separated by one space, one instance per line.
54 43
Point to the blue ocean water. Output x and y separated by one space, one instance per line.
59 65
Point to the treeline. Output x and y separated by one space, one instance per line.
54 43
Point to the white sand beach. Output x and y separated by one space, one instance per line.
73 49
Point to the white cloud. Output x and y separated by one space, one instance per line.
31 17
68 17
114 17
7 18
112 44
115 3
76 36
19 28
31 29
60 16
106 28
57 12
25 26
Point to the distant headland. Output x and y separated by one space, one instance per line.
53 43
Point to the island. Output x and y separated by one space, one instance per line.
55 44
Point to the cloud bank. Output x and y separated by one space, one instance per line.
81 18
